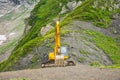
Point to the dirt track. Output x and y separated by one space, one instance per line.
80 72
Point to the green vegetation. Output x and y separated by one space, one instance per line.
83 51
114 66
20 79
37 20
7 46
97 13
65 44
47 10
81 59
35 58
95 63
106 43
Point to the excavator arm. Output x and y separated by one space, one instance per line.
57 39
57 42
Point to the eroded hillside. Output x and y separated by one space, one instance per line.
88 30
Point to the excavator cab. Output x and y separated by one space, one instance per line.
61 51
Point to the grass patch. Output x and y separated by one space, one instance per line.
35 59
65 44
83 51
100 14
7 46
20 79
113 67
95 63
107 44
81 59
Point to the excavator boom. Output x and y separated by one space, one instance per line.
57 39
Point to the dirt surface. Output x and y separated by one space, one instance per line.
79 72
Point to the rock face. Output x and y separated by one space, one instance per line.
115 26
8 5
5 6
12 15
70 6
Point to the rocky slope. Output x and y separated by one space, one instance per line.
89 29
12 24
8 5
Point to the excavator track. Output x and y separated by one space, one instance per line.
54 64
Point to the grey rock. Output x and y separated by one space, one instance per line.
3 1
64 10
70 6
45 29
8 5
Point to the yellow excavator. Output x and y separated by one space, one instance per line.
59 57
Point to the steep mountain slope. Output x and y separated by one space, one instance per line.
85 30
8 5
12 25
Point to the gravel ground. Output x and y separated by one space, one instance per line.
79 72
